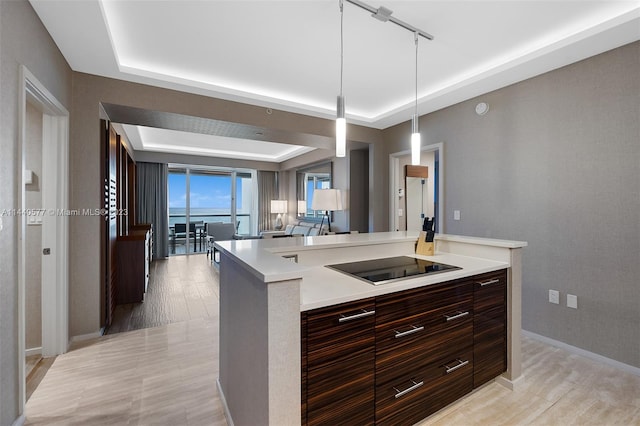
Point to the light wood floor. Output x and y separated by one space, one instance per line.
166 376
180 288
36 368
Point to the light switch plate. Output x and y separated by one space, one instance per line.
554 296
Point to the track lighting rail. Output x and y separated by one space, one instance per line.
384 14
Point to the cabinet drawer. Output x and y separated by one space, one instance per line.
420 301
396 361
412 397
397 333
339 331
490 290
343 390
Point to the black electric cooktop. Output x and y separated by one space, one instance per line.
381 271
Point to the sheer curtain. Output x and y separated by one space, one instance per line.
267 191
151 199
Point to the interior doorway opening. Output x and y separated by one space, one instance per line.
431 193
53 249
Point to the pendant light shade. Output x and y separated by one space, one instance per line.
415 130
341 129
341 122
415 142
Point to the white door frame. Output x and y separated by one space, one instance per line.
394 170
55 230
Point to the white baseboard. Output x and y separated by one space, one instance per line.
510 384
578 351
33 351
227 413
19 421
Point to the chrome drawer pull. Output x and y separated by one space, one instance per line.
459 315
415 386
460 365
362 314
408 332
482 284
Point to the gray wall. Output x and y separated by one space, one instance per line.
556 162
359 190
88 92
23 40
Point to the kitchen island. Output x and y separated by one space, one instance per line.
269 289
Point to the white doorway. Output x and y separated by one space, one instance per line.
396 182
53 186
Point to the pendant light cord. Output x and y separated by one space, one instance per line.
416 104
341 42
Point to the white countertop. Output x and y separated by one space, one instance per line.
482 241
322 286
263 256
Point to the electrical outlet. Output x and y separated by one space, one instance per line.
456 215
572 301
554 297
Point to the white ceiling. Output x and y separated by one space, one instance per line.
162 140
285 54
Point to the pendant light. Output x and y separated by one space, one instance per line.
415 131
385 15
341 122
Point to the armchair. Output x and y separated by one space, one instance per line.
218 231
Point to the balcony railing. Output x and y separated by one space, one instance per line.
178 245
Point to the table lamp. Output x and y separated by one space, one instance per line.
279 207
302 207
327 200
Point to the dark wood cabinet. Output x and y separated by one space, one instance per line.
397 358
340 364
303 346
134 258
424 351
489 326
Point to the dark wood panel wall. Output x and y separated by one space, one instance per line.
118 178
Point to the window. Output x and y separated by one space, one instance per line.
214 195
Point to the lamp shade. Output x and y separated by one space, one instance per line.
415 149
302 207
278 206
326 199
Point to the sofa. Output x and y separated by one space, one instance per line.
297 228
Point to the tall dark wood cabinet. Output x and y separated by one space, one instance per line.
109 229
126 245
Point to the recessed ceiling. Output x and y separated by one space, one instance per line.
154 139
286 54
